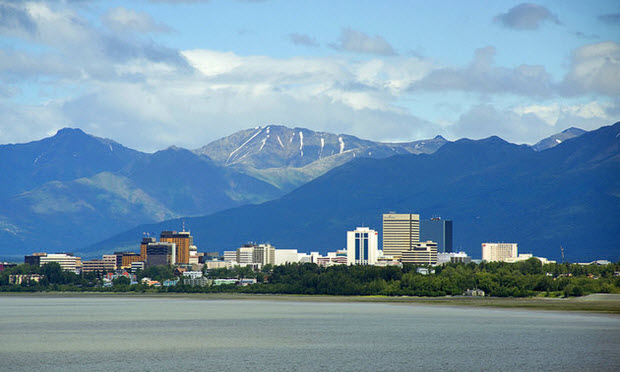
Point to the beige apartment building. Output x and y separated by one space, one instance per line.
498 251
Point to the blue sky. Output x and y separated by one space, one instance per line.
150 74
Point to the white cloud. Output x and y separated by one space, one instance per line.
147 96
484 77
595 68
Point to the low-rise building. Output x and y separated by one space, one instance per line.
67 261
218 264
527 256
197 282
422 253
34 259
138 265
192 274
332 258
284 256
452 257
227 281
98 265
24 278
492 252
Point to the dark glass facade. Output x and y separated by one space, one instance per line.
439 231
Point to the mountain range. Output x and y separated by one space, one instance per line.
73 189
565 196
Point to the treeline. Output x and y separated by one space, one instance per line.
522 279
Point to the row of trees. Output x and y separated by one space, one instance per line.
522 279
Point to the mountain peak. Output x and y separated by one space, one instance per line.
573 130
558 138
69 132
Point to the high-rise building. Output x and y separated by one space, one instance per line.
400 233
437 230
161 253
423 253
499 251
264 254
183 240
362 246
143 245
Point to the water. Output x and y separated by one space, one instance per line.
147 334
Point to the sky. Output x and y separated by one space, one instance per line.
155 73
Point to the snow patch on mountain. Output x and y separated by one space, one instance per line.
243 144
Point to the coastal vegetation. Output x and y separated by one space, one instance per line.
522 279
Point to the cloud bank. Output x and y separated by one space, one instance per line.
121 84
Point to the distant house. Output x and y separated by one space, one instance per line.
474 293
170 282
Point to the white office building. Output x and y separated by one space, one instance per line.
66 261
452 257
284 256
362 246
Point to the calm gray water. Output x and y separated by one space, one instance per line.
153 334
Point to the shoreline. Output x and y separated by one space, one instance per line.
596 303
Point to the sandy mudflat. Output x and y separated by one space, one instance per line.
600 302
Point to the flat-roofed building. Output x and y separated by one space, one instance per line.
284 256
143 245
452 257
217 264
230 256
128 258
422 253
34 259
183 240
330 259
194 257
400 233
245 255
67 261
264 254
499 251
100 265
437 230
161 253
362 246
138 265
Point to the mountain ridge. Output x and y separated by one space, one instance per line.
493 191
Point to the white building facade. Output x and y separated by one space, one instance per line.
362 246
499 251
